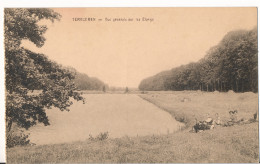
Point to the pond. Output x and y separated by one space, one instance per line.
118 114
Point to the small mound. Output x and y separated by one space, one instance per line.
230 92
249 94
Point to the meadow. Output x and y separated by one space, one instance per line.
238 143
185 106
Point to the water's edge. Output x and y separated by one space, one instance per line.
184 124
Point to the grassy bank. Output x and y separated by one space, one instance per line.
237 143
188 105
221 145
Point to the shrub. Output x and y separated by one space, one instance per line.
100 137
18 138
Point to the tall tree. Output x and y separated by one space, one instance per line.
230 65
26 71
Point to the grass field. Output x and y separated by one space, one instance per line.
238 143
221 145
187 105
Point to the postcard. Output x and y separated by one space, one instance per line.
131 85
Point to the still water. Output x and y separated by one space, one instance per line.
118 114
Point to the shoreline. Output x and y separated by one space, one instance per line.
233 144
179 119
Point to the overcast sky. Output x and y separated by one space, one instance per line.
124 53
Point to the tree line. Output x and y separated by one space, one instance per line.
83 82
230 65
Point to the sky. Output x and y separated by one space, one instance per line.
122 53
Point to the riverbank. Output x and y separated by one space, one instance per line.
216 146
187 106
237 143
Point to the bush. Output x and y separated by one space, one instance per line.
18 138
100 137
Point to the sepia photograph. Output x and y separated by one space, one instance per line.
131 85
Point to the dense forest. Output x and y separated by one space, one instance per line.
230 65
84 82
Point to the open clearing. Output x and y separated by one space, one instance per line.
238 143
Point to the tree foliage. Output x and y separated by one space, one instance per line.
231 65
84 82
26 71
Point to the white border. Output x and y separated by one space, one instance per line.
98 3
2 90
129 3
